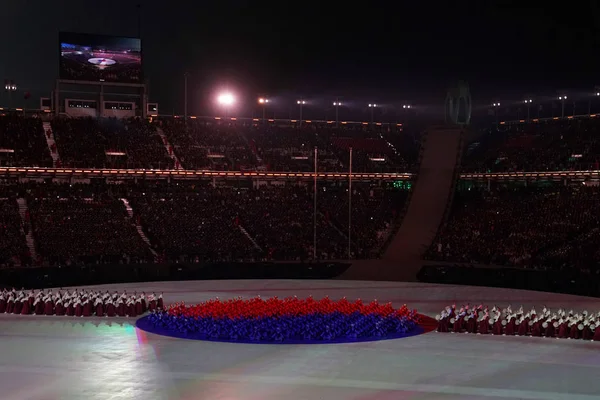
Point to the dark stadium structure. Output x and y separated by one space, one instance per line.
97 191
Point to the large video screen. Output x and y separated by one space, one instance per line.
101 58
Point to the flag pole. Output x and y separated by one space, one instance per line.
350 208
315 210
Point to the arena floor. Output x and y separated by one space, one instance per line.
47 358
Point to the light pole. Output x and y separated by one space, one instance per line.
301 103
10 86
372 106
528 103
226 100
562 100
496 105
185 96
337 104
263 102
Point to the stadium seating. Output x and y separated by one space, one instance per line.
541 226
555 145
22 142
81 224
87 142
76 224
13 250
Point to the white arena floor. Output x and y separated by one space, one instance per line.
63 358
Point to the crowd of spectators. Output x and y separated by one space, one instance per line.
82 224
117 143
271 222
217 145
542 227
13 250
22 142
75 224
555 145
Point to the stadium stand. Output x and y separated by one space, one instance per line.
22 142
96 223
553 145
540 226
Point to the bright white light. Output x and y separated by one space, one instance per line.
226 99
598 94
565 97
301 102
335 103
263 100
372 105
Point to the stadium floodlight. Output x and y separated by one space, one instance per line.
226 99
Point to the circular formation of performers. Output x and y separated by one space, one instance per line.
78 303
560 324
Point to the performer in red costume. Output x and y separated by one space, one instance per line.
25 308
3 302
152 302
511 325
48 305
139 309
18 303
110 308
143 300
78 307
59 307
70 307
131 307
10 303
483 324
99 307
121 308
596 328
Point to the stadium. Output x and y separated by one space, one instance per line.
164 256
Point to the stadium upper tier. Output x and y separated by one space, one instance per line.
208 145
550 145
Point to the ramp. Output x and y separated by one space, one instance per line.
402 259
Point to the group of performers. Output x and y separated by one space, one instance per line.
557 324
78 303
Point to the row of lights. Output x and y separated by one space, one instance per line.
529 101
227 99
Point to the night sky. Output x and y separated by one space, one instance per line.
372 51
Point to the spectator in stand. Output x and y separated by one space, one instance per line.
552 227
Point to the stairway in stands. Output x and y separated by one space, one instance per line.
29 240
168 147
431 193
49 135
252 240
138 227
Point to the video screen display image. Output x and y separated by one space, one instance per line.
101 58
